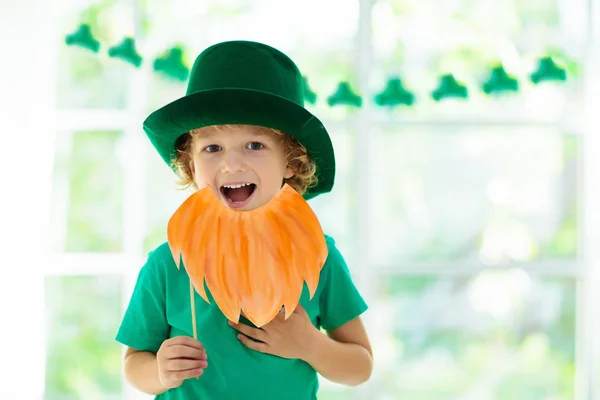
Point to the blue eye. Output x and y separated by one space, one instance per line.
212 148
255 145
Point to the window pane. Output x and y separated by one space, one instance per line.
486 194
83 359
87 192
88 79
495 335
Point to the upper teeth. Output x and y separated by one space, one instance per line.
239 185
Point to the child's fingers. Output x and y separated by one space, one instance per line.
254 333
182 351
181 375
185 340
185 365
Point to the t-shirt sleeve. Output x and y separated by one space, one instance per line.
144 325
340 300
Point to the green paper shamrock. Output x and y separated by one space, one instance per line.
309 95
344 95
394 94
126 51
448 88
548 71
500 81
172 65
83 37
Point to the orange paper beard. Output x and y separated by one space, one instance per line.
252 261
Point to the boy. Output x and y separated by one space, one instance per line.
242 129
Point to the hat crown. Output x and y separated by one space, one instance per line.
247 65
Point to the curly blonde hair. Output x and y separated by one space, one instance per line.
298 160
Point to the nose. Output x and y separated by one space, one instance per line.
232 162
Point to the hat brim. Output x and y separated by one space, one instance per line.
243 106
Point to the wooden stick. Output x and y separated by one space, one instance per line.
193 314
193 310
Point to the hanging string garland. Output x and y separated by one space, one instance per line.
548 71
394 94
83 37
449 88
309 95
172 65
344 95
500 82
126 51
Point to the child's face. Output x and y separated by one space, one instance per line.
245 166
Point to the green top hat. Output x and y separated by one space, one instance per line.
241 82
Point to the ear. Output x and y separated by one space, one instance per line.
192 169
289 172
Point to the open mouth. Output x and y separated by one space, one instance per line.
238 195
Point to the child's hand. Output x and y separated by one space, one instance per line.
289 338
180 358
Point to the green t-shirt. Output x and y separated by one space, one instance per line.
160 309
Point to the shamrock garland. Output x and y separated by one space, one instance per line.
394 94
